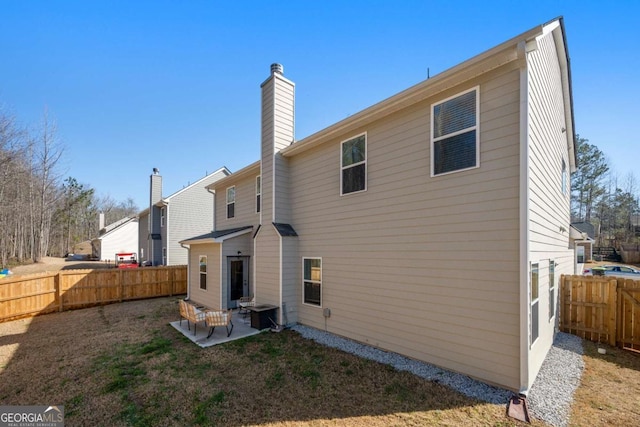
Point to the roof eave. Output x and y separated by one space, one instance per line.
480 64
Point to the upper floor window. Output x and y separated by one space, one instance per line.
258 193
353 174
163 211
231 202
454 133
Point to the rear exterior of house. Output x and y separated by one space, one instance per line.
434 224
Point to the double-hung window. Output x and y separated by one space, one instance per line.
231 202
455 133
203 272
353 165
312 281
258 192
535 302
163 212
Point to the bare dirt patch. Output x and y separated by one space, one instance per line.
609 393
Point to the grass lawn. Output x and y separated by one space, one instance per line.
122 364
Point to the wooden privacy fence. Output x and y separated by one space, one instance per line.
602 309
69 289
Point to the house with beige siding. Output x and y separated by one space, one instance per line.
434 224
170 219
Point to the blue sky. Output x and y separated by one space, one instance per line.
135 85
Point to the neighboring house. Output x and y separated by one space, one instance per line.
169 220
120 236
583 235
434 224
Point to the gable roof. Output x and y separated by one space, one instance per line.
115 225
502 54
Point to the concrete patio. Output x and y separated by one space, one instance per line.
241 329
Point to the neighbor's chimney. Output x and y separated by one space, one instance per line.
155 188
100 221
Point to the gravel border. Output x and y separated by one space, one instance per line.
549 398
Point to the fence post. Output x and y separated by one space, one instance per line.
56 285
613 311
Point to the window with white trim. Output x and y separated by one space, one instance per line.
164 256
535 302
231 202
455 133
353 165
552 289
258 193
203 271
163 211
312 281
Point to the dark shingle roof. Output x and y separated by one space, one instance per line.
285 230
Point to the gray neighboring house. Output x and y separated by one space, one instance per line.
168 220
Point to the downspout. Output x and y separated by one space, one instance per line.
188 248
280 315
524 220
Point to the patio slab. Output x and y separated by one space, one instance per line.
241 329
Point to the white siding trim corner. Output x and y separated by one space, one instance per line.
524 227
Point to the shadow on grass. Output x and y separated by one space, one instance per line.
123 364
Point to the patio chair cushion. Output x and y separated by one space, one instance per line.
219 318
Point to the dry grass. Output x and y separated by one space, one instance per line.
122 364
609 394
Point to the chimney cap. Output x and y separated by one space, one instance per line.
277 68
156 171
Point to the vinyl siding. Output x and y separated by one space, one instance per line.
291 280
245 206
189 214
281 179
549 208
267 253
267 150
211 296
426 267
122 239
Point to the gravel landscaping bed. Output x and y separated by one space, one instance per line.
549 398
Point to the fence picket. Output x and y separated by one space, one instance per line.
23 296
601 309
